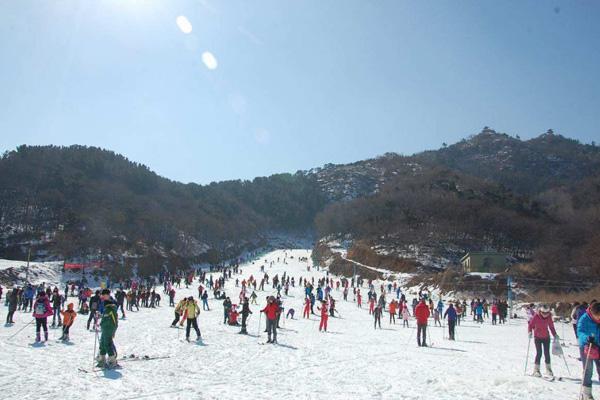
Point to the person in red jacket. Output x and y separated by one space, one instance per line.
358 299
393 306
494 313
422 314
306 312
538 328
324 316
271 310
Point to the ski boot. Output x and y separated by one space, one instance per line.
536 371
586 394
101 361
549 371
112 362
38 338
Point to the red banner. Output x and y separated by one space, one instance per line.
94 264
74 266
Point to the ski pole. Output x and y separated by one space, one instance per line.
95 341
259 318
21 330
566 365
587 361
527 358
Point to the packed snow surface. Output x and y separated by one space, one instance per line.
350 361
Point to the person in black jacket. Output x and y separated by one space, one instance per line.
120 300
13 301
226 309
245 312
94 306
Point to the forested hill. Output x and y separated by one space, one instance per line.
539 196
77 200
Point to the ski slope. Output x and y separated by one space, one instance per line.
351 361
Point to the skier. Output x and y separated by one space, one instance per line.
68 319
271 311
324 316
290 313
245 312
205 300
56 303
452 316
306 312
41 311
358 299
422 314
494 312
120 300
393 305
226 309
436 317
538 327
108 327
13 300
405 315
588 336
179 309
94 303
192 310
377 311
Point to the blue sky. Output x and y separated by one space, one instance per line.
297 84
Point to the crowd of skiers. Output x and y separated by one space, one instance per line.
102 310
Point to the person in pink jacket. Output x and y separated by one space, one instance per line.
539 327
41 311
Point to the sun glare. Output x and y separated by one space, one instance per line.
184 24
209 60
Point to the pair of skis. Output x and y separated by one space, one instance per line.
132 357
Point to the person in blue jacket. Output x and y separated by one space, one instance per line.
452 317
319 294
479 312
588 332
28 295
440 307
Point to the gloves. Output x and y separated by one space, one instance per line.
590 339
530 335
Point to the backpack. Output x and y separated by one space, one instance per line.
40 308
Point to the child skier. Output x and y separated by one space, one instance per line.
436 317
68 319
538 327
405 315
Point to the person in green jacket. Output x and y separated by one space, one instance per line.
108 326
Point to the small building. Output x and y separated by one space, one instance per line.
485 261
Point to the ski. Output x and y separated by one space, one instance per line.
142 358
546 377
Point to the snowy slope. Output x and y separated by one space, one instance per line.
352 361
16 271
